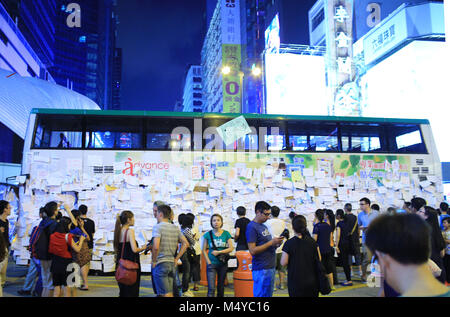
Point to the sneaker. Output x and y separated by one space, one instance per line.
347 283
24 293
188 294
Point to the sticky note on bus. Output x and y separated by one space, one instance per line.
233 130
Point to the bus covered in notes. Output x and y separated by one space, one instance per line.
212 163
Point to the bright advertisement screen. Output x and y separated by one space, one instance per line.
412 83
295 84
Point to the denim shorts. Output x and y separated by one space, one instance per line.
163 275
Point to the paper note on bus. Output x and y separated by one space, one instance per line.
233 130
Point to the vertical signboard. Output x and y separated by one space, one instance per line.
231 56
341 70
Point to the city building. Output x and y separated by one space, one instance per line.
221 60
193 90
117 80
397 56
16 53
84 55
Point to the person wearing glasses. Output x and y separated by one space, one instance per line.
262 247
365 217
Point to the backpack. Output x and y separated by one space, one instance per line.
59 245
39 241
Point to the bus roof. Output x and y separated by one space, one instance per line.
213 115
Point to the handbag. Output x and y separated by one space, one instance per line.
126 272
324 283
224 257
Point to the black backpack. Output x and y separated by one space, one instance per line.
39 248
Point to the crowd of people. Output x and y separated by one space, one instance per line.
411 247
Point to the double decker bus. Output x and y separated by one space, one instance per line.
116 160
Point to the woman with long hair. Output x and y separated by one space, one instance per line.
131 250
61 244
300 254
322 234
438 245
343 245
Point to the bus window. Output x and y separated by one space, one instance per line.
405 138
113 133
272 135
311 136
169 134
361 137
213 141
55 131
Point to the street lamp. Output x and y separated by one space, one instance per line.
226 70
256 71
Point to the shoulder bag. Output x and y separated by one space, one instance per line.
126 272
224 257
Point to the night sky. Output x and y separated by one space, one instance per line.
160 38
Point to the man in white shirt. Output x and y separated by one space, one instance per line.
276 227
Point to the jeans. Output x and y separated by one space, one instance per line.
186 269
263 282
219 270
163 275
34 271
195 268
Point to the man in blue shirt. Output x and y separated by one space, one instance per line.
262 247
443 207
366 215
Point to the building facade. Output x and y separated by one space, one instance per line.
222 49
193 90
84 55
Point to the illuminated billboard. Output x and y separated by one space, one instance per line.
272 36
295 84
412 83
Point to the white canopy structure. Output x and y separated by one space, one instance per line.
18 95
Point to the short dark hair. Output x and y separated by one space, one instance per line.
181 218
186 221
261 206
165 210
405 237
365 200
443 206
375 207
3 205
348 207
241 211
418 202
446 219
275 211
83 209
